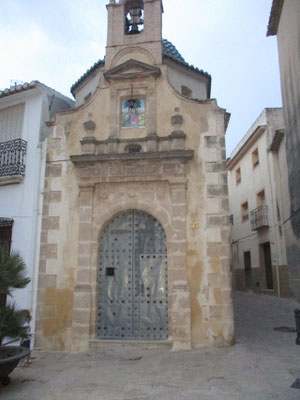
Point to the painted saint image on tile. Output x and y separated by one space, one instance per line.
133 113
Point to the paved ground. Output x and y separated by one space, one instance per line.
262 365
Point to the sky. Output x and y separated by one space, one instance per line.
56 41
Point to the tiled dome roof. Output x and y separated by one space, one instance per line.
87 73
169 51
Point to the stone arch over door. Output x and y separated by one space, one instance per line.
132 279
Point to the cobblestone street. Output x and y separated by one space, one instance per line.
262 365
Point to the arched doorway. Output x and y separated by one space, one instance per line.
133 279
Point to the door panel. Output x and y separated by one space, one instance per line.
268 265
248 270
133 279
5 243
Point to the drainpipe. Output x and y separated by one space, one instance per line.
37 239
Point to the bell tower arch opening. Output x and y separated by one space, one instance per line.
134 17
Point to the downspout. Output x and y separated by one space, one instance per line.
42 149
37 240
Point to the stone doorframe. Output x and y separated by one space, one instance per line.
97 208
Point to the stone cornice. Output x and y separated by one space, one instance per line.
181 155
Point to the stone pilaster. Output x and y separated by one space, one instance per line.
82 295
219 302
151 113
113 124
47 281
180 313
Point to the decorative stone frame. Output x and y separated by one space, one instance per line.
120 92
111 187
125 83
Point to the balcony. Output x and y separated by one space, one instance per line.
259 218
12 161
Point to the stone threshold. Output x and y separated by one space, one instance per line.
102 344
268 291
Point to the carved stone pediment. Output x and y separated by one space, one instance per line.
132 69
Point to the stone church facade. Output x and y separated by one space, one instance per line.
135 233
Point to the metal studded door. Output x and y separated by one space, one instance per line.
133 280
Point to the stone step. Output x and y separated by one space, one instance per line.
98 344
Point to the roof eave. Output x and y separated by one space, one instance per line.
18 89
26 86
86 75
258 131
274 17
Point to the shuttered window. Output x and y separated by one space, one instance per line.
11 122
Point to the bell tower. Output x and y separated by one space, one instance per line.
134 26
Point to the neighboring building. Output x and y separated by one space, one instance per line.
23 112
135 238
284 22
256 168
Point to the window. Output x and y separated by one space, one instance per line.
260 198
238 178
245 211
88 96
255 158
11 122
134 148
186 91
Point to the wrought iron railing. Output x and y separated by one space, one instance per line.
12 157
259 218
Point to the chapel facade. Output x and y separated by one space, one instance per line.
135 233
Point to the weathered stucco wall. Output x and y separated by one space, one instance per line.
269 176
288 35
178 78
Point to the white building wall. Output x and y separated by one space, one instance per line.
267 176
288 36
253 180
19 201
